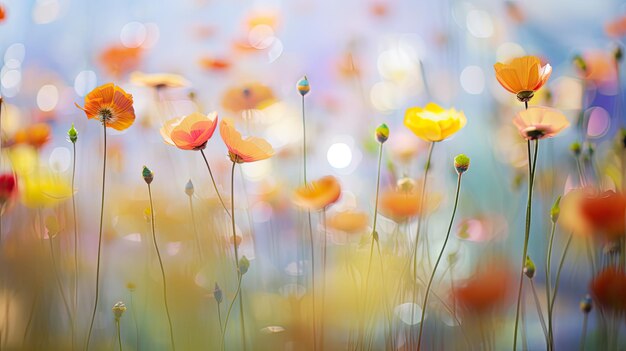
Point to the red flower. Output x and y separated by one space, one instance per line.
8 187
486 291
605 212
608 289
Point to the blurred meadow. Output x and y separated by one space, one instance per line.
312 175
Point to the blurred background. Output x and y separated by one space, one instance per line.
367 62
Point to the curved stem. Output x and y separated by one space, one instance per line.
548 285
432 276
213 181
531 180
230 307
558 272
156 247
539 313
75 232
219 316
97 294
60 285
119 333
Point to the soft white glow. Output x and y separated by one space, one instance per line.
339 155
133 34
47 97
85 82
508 51
11 79
473 80
479 24
257 170
60 159
261 36
46 11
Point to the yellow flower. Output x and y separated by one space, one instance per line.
434 123
44 188
158 80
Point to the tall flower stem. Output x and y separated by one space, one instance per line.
213 181
583 337
558 272
195 229
548 285
432 275
133 311
324 251
531 180
219 316
230 307
97 294
119 333
156 248
60 286
539 313
75 231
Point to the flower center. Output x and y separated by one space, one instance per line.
105 115
234 157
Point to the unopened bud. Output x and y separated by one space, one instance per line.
580 63
618 54
575 148
72 134
118 310
461 163
586 304
147 174
303 86
244 265
217 293
529 268
382 133
555 211
189 188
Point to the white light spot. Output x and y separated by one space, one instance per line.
11 79
473 80
409 313
339 155
60 159
134 237
16 51
479 24
508 51
599 122
386 96
46 11
173 248
133 34
275 51
256 171
152 35
261 36
85 82
47 97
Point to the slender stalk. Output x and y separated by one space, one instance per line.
303 140
432 275
531 179
541 319
134 313
195 229
60 286
230 307
119 333
219 316
558 272
548 285
324 249
583 337
213 181
75 233
156 248
97 294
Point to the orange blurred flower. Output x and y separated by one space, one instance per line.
487 291
110 105
244 150
523 76
617 27
403 202
3 13
434 123
118 60
35 135
608 289
348 221
605 213
318 194
597 66
189 132
253 96
267 18
158 80
214 64
540 122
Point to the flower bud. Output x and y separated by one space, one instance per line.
217 293
118 310
580 63
189 188
461 163
555 210
529 268
147 174
618 53
382 133
72 134
303 86
586 304
623 137
575 148
405 184
244 265
590 148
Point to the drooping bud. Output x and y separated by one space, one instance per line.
217 293
118 310
575 148
555 211
189 188
147 174
72 134
586 304
382 133
244 265
529 268
303 86
461 163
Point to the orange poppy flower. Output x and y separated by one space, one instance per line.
110 105
158 80
403 202
617 27
540 122
605 213
253 96
214 64
487 291
607 289
242 150
118 60
523 76
348 221
3 13
318 194
189 132
36 135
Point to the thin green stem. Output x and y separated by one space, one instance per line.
119 333
97 293
239 275
432 275
60 286
539 313
75 232
219 316
548 285
230 307
558 272
303 140
324 249
195 229
213 181
531 180
156 248
134 313
583 337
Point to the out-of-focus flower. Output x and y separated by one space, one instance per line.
252 96
189 132
347 66
607 289
523 76
44 189
3 13
8 187
110 105
158 80
487 291
318 194
303 86
596 66
266 17
214 64
348 221
404 147
515 11
52 226
241 150
403 202
605 212
617 27
482 228
118 310
35 135
570 216
540 122
434 123
118 60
